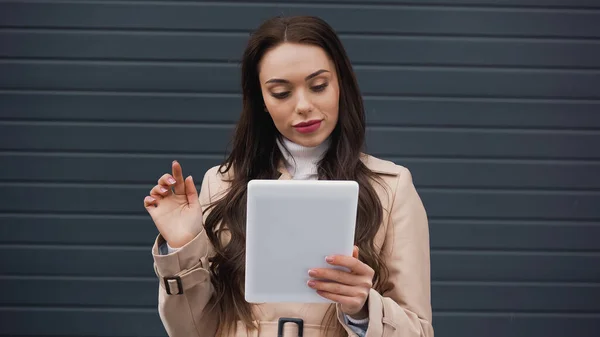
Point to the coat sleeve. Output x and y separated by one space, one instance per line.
185 293
404 309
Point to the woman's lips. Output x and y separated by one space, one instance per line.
308 127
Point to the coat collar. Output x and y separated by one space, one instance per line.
379 166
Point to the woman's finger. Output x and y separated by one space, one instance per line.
166 180
340 276
190 191
160 191
355 303
352 263
150 202
338 288
179 186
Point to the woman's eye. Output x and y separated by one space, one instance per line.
320 87
280 95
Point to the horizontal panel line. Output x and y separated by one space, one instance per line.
537 284
457 4
516 190
505 218
374 126
432 219
221 156
515 252
75 215
528 156
104 123
508 284
245 34
366 94
188 154
236 64
71 308
11 247
341 33
429 189
78 278
514 222
453 98
153 310
119 247
515 314
348 5
128 93
422 186
99 154
370 126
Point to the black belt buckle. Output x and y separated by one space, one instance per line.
297 321
179 285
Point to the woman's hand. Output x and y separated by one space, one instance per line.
350 289
174 207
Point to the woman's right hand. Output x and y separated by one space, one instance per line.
174 207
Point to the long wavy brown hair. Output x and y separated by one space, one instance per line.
255 155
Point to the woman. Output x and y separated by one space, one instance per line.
302 118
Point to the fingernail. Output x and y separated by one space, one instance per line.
312 273
329 259
150 199
162 189
172 181
312 283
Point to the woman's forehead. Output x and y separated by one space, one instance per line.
293 61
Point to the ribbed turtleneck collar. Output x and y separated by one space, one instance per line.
301 161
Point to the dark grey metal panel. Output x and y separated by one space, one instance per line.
122 292
228 47
224 78
80 321
345 19
135 322
72 291
476 324
453 203
225 108
502 204
465 234
59 260
69 229
143 168
515 297
447 265
514 235
381 141
456 3
509 266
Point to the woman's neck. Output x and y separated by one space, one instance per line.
301 161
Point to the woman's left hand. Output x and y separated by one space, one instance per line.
350 289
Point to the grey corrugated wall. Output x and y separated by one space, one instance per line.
493 105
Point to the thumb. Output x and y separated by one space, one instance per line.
355 252
190 191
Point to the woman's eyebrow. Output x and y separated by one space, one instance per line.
315 74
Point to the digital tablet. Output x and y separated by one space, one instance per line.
291 226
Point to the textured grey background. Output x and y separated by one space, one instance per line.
493 105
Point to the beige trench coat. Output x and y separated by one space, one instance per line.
403 311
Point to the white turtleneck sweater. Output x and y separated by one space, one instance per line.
301 163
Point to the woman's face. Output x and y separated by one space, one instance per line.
301 92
